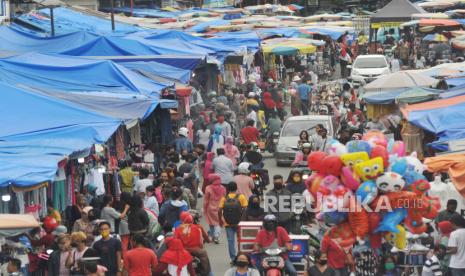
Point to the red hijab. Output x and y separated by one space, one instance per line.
268 100
175 254
218 190
208 165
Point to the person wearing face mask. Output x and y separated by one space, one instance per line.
321 267
254 211
85 225
242 266
225 126
389 268
295 184
272 235
109 250
273 196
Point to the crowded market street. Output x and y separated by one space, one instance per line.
235 138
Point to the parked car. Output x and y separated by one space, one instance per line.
367 68
289 136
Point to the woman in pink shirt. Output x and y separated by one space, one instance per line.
243 180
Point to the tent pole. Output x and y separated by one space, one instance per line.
52 22
113 14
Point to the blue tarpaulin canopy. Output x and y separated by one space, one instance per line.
405 95
69 20
453 92
73 74
159 69
248 39
456 81
38 131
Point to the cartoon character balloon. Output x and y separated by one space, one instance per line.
314 161
358 146
390 182
399 239
331 165
351 159
367 192
371 169
375 137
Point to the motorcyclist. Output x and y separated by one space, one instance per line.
193 238
302 155
272 235
253 156
295 183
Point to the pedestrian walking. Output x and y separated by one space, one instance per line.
213 194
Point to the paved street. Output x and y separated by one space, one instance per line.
218 253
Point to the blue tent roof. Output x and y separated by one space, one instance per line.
19 41
455 81
382 97
447 122
64 73
453 92
159 69
248 39
37 131
202 27
68 20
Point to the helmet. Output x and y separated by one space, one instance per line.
212 94
253 145
243 168
270 218
49 224
251 95
323 108
306 146
183 131
270 80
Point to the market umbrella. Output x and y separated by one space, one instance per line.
416 95
436 38
401 79
288 46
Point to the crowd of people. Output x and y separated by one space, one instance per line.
212 159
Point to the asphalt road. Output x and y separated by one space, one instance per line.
218 253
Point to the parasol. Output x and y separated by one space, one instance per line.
289 46
401 79
436 38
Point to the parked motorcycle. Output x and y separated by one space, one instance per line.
271 142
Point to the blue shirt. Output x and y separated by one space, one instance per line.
182 143
304 91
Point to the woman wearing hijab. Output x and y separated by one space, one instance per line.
176 261
207 170
193 237
445 228
216 140
295 183
231 151
269 104
254 212
213 194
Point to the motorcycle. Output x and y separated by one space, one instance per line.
272 262
313 242
258 183
271 142
159 250
302 167
298 217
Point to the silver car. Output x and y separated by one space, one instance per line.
289 136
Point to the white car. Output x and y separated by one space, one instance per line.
367 68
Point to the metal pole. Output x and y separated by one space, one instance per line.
52 22
112 15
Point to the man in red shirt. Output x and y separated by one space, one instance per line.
140 261
250 133
267 236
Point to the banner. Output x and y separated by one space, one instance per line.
379 25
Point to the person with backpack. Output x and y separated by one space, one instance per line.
230 213
170 211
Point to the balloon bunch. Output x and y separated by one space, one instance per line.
370 189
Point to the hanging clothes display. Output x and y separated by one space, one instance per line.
120 153
94 176
134 132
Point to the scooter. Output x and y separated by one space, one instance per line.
297 219
272 262
271 142
258 183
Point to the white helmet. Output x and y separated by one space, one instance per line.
251 95
183 131
243 168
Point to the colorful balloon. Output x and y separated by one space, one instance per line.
390 182
391 220
314 161
350 178
358 219
398 148
399 239
367 192
375 137
380 151
336 148
371 169
331 165
358 146
351 159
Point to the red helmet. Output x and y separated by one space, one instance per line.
49 224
